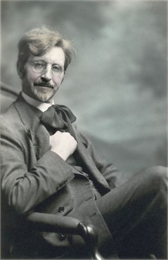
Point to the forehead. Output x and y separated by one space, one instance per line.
54 55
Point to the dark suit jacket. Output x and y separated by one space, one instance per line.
37 179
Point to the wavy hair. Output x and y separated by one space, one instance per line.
40 40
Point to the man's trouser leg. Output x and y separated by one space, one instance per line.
136 214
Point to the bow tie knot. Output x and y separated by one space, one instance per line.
58 117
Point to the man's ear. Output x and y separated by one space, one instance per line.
20 72
62 80
63 77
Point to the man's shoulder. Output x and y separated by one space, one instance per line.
9 113
15 109
8 121
10 117
11 125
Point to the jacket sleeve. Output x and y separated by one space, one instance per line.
23 189
113 176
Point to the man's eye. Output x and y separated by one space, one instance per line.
56 68
39 65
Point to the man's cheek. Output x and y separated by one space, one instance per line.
32 78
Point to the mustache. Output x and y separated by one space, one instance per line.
44 84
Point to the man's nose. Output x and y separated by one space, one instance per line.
47 74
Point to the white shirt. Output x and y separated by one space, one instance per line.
43 106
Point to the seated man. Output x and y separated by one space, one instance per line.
48 166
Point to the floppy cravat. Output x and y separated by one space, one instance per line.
58 117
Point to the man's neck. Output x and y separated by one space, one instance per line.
43 106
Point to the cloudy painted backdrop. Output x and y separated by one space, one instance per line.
116 86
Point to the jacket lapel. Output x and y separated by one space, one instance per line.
85 156
36 131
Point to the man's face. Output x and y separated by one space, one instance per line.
43 75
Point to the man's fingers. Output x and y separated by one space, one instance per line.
63 143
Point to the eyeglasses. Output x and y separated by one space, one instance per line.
40 67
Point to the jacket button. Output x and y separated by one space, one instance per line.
62 237
61 209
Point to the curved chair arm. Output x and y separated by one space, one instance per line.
90 236
45 222
67 225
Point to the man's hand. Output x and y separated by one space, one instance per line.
63 144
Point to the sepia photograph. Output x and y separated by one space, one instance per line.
83 129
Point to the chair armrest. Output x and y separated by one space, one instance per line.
51 223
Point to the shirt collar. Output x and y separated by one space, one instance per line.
43 106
